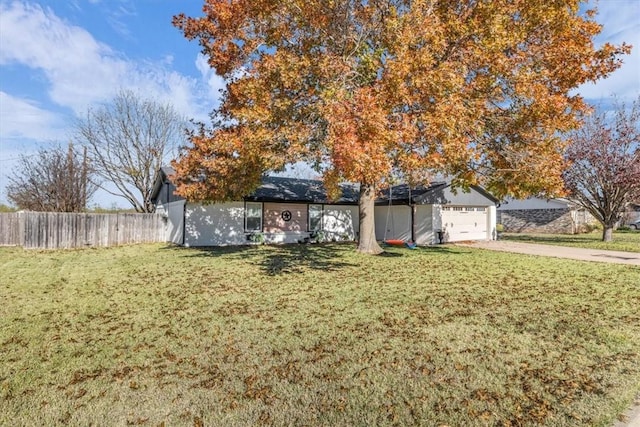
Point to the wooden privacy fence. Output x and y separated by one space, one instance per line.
54 230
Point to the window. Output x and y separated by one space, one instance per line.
315 217
457 208
481 209
253 216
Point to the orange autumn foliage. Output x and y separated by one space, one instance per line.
477 90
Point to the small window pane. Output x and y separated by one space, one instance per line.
315 217
253 224
253 217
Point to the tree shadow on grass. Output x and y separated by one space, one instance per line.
282 259
286 259
299 258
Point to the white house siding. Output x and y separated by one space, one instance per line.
493 232
217 224
393 222
424 225
436 214
340 222
175 221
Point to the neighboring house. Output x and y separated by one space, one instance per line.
290 210
435 214
537 215
632 214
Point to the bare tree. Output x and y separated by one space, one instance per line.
128 140
53 180
604 164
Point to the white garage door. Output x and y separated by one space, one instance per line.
464 223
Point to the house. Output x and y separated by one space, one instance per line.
290 210
435 214
631 214
538 215
281 210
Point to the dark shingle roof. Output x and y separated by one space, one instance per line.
282 189
401 193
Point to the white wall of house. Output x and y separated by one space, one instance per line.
393 222
424 225
222 224
175 221
218 224
437 222
340 222
493 222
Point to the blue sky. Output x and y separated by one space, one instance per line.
59 57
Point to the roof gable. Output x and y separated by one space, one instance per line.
437 193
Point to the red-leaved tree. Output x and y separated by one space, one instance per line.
604 171
477 90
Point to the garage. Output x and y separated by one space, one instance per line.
435 214
464 223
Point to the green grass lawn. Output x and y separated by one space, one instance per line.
628 241
314 335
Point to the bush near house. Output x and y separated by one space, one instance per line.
314 335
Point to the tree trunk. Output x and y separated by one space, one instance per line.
367 237
607 233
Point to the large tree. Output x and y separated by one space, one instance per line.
128 141
604 164
476 89
52 180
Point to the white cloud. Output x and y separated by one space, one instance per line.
214 81
78 72
116 16
82 71
21 118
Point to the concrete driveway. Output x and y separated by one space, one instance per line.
597 255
